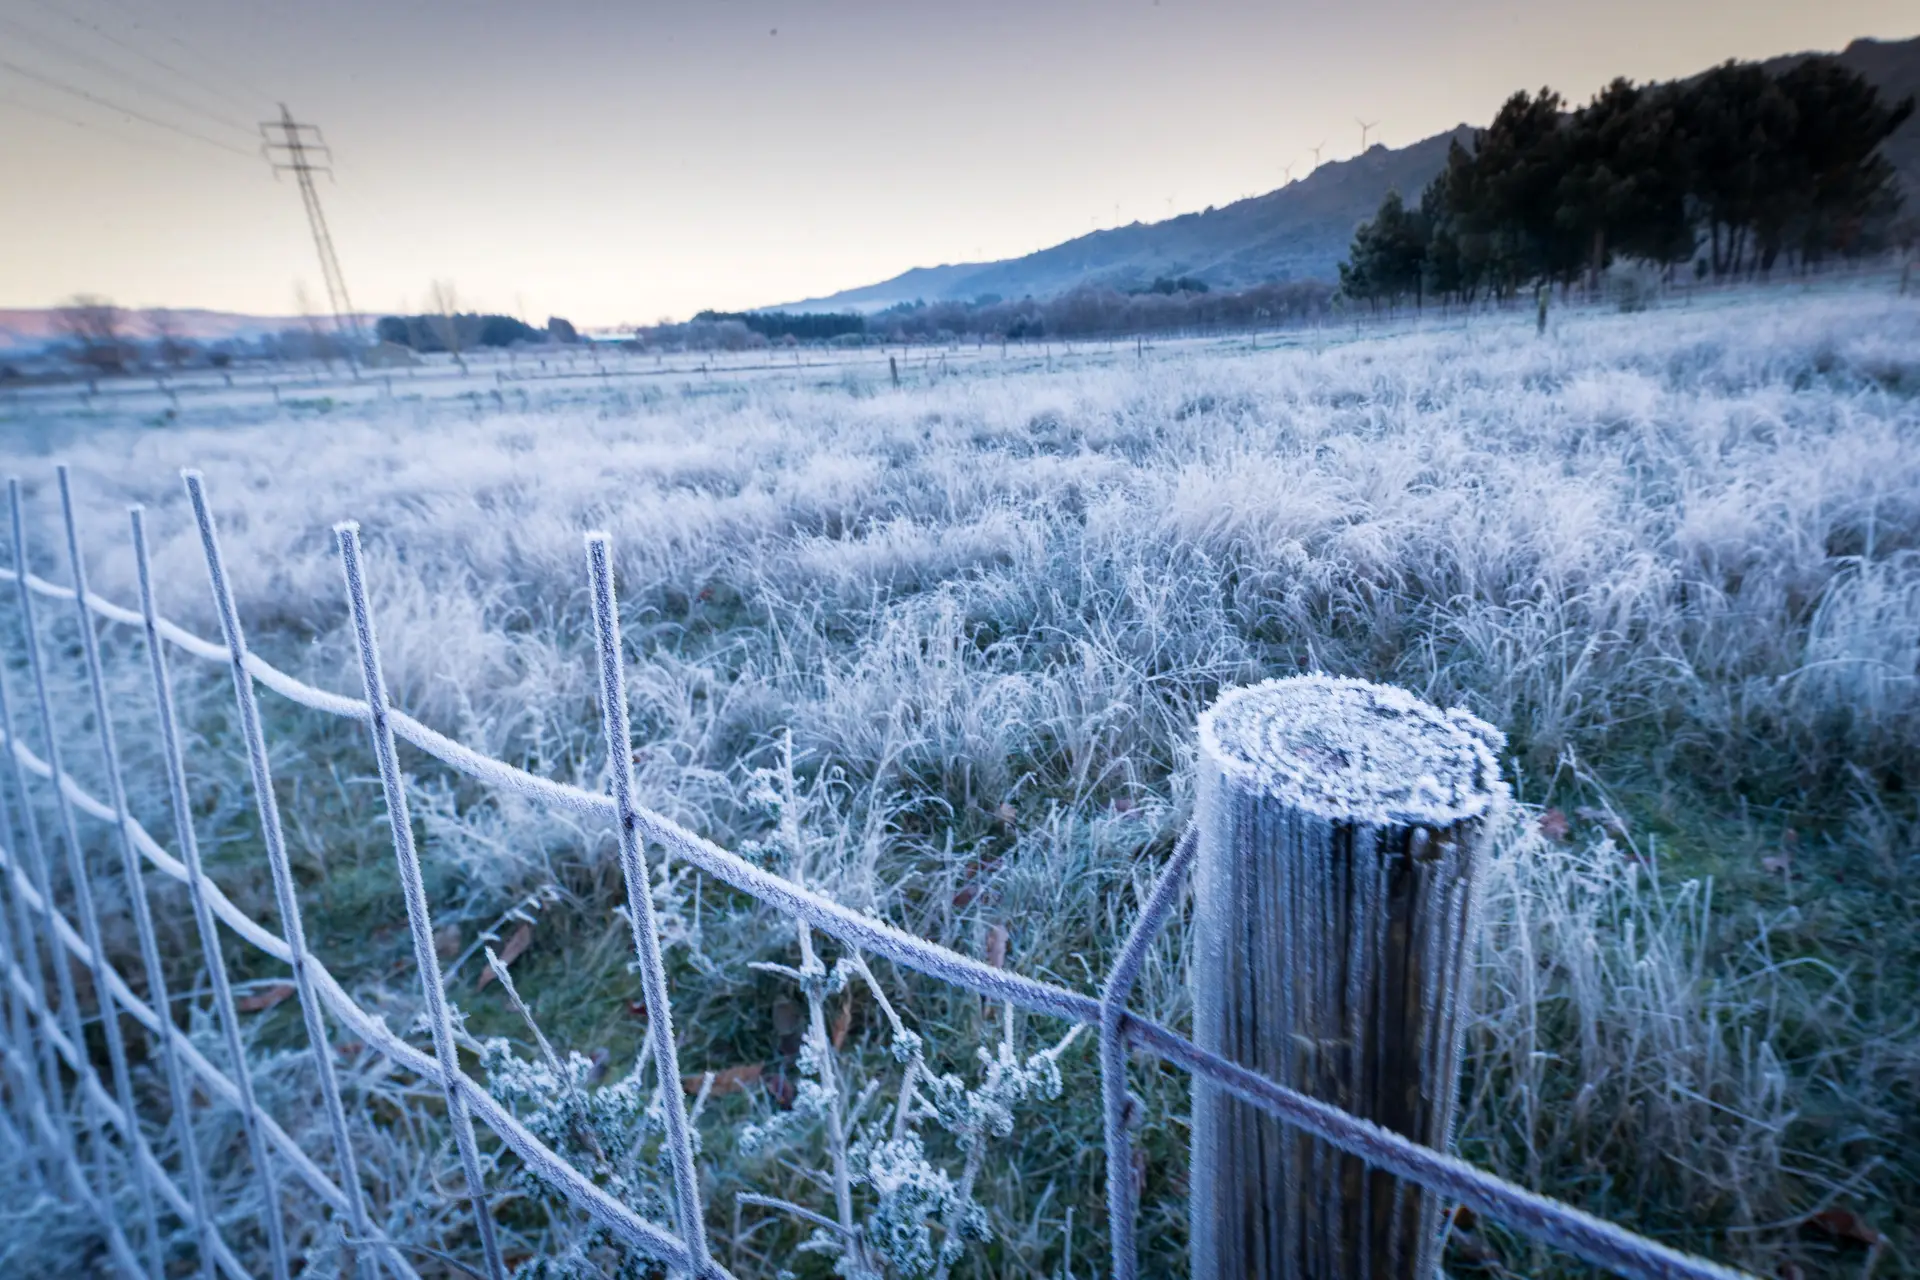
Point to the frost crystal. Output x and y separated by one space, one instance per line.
1354 751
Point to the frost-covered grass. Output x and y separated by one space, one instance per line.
1675 556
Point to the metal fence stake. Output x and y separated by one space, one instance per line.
216 961
136 887
28 1100
83 895
646 936
419 916
274 837
45 1094
35 862
1115 1101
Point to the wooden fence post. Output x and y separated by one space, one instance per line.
1340 827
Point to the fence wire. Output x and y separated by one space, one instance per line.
42 1031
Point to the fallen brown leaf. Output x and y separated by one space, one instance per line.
1555 827
780 1089
446 941
977 883
997 946
732 1080
1845 1224
637 1009
843 1022
521 939
264 997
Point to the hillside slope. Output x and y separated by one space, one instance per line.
1299 232
1295 233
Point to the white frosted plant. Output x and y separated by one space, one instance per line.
614 1133
898 1214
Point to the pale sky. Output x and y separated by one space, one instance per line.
623 160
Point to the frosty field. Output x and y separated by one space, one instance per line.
1675 556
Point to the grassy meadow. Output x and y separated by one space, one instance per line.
1673 555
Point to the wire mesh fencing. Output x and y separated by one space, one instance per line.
72 1104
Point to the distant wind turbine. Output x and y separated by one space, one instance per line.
1286 173
1366 127
1316 153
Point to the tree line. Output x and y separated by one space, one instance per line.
462 331
1167 305
104 339
1737 171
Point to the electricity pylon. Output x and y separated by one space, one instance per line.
299 149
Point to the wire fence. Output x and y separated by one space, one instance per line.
87 1136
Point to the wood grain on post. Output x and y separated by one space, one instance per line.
1340 826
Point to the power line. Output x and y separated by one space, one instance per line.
86 59
89 125
211 63
104 34
127 111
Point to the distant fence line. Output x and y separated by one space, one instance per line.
37 1039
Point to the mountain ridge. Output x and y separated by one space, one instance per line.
1298 232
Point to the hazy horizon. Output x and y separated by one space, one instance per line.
615 164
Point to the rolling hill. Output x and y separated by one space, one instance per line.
1299 232
31 328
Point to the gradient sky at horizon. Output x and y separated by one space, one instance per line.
619 162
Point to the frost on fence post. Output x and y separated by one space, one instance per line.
1340 824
